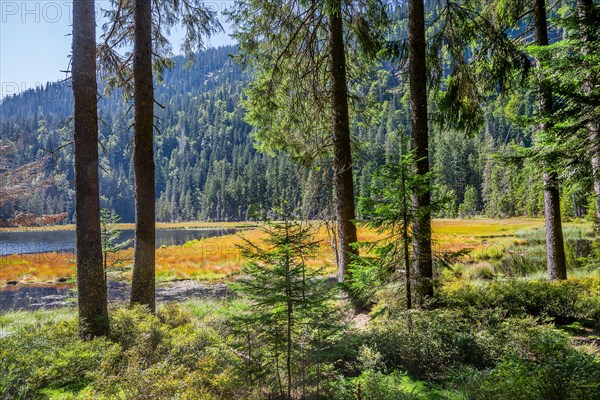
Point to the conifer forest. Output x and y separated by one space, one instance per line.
342 199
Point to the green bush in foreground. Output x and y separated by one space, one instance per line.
538 365
562 301
474 350
147 356
49 355
492 358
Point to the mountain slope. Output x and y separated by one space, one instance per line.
207 167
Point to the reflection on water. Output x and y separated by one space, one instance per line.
35 297
64 241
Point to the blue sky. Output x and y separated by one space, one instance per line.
35 41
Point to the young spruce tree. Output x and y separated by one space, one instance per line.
388 262
111 243
287 330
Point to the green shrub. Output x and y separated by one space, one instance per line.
167 355
492 357
564 301
374 383
164 356
48 355
428 344
539 364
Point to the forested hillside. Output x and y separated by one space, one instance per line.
207 166
360 139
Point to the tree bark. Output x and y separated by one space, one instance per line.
584 8
91 284
423 267
143 284
595 150
555 247
342 152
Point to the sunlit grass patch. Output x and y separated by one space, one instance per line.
11 320
483 227
44 267
508 242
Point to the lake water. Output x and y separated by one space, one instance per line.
64 241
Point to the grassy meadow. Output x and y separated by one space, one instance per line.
487 245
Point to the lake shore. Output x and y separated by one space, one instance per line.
30 297
159 225
484 241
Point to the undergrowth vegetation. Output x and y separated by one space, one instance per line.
487 334
487 342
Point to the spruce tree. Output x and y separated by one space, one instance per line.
142 281
302 54
388 259
111 243
143 24
286 331
420 145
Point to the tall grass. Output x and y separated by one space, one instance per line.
507 244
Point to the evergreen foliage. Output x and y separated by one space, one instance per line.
111 244
207 166
389 258
287 331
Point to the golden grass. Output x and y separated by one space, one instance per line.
218 257
30 268
479 235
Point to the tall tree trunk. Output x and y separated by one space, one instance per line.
342 152
406 242
584 8
143 285
91 284
595 150
555 247
420 145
